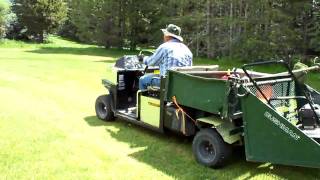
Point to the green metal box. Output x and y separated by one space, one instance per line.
202 93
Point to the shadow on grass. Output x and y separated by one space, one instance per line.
91 51
172 155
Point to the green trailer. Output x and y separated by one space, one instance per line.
275 117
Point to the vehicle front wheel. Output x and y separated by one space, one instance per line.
103 108
209 148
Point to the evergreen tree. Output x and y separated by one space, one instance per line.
250 30
4 9
123 23
314 28
40 17
97 21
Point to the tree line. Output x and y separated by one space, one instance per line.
249 30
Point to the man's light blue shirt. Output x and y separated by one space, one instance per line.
168 55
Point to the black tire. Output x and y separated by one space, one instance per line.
103 108
209 148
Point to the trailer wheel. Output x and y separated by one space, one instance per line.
209 148
103 108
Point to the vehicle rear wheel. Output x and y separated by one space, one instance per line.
103 108
209 148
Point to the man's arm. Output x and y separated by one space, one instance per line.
156 58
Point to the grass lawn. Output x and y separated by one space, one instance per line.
48 128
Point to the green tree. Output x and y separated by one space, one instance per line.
97 21
242 29
40 17
4 10
314 27
122 23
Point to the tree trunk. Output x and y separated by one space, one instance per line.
122 21
40 38
231 28
209 30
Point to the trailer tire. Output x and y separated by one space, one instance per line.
209 148
103 108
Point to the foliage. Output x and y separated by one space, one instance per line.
68 30
95 21
113 23
4 11
14 29
314 27
40 17
247 29
250 30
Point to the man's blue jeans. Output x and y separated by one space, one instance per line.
149 80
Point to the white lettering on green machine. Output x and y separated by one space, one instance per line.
282 126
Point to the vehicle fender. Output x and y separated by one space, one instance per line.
108 84
111 88
223 127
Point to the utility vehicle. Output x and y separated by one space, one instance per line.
274 116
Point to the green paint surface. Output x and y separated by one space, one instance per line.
197 92
269 137
224 128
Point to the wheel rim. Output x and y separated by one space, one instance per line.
207 151
102 110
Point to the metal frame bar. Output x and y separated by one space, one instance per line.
288 74
244 68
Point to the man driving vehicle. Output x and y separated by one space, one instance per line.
172 53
